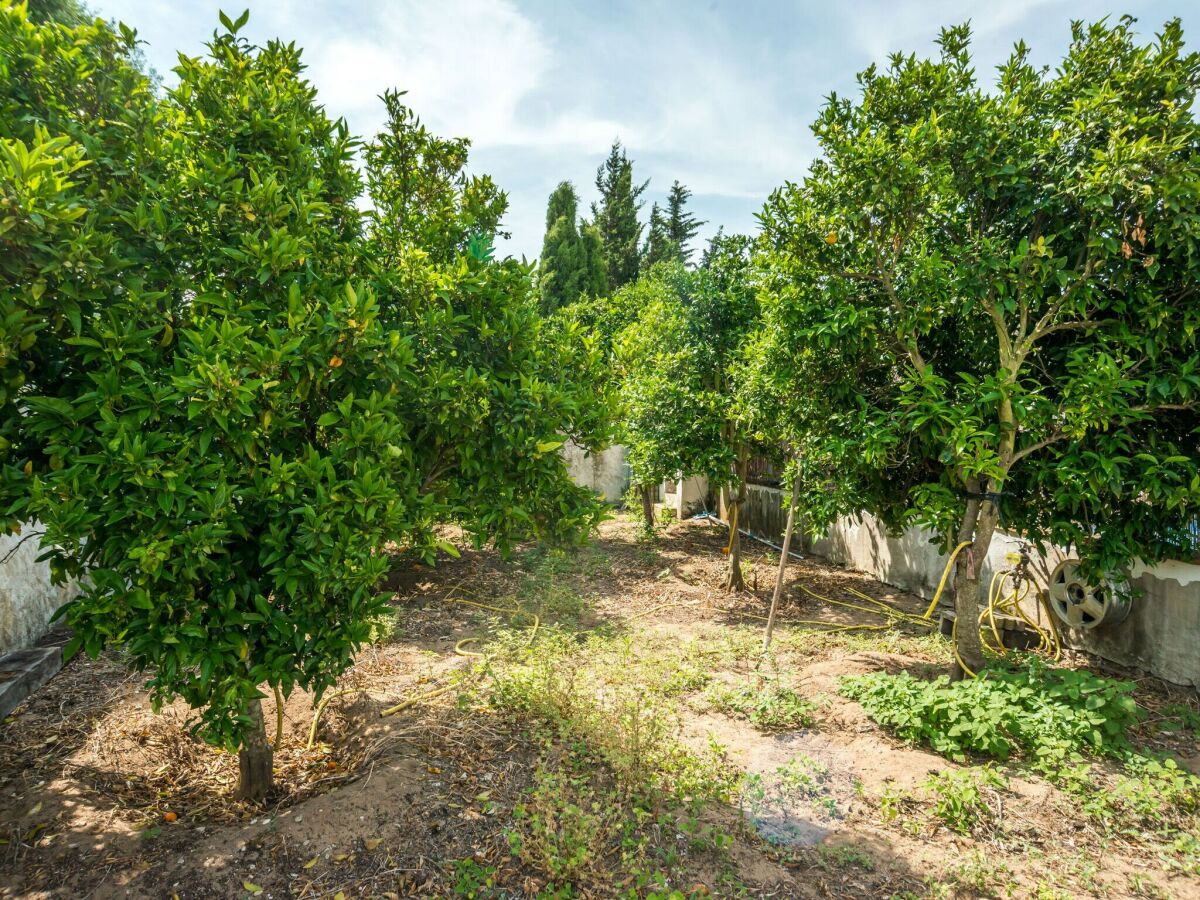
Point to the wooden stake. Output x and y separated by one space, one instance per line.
783 558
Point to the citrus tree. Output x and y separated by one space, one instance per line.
226 391
499 390
72 105
677 362
998 290
224 465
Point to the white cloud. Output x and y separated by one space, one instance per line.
719 95
467 63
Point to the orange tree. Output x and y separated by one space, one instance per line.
500 388
207 406
994 293
677 365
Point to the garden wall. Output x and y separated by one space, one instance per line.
606 472
1160 636
27 598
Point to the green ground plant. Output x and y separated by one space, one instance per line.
1070 726
563 825
963 799
841 856
1180 717
617 697
768 706
1047 715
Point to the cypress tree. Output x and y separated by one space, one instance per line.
595 269
572 263
681 225
659 245
616 215
561 269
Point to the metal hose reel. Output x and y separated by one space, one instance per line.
1079 603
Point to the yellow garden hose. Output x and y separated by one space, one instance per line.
1008 602
732 530
945 577
1000 602
881 608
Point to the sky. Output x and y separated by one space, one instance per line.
718 94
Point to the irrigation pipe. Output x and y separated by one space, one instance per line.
742 531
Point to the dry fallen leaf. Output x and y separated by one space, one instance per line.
312 862
372 843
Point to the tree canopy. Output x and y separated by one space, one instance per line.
994 291
681 225
227 389
572 261
677 363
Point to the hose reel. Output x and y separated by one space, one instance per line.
1079 603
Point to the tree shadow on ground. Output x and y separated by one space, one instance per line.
380 803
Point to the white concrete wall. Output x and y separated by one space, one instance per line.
606 472
688 497
1160 636
27 598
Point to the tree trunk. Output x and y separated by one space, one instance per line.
733 580
783 559
647 506
255 757
979 525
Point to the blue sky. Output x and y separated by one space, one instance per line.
718 94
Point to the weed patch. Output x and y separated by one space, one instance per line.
1053 719
768 707
967 801
563 826
619 699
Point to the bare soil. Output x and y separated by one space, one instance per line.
101 797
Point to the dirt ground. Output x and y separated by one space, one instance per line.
100 797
